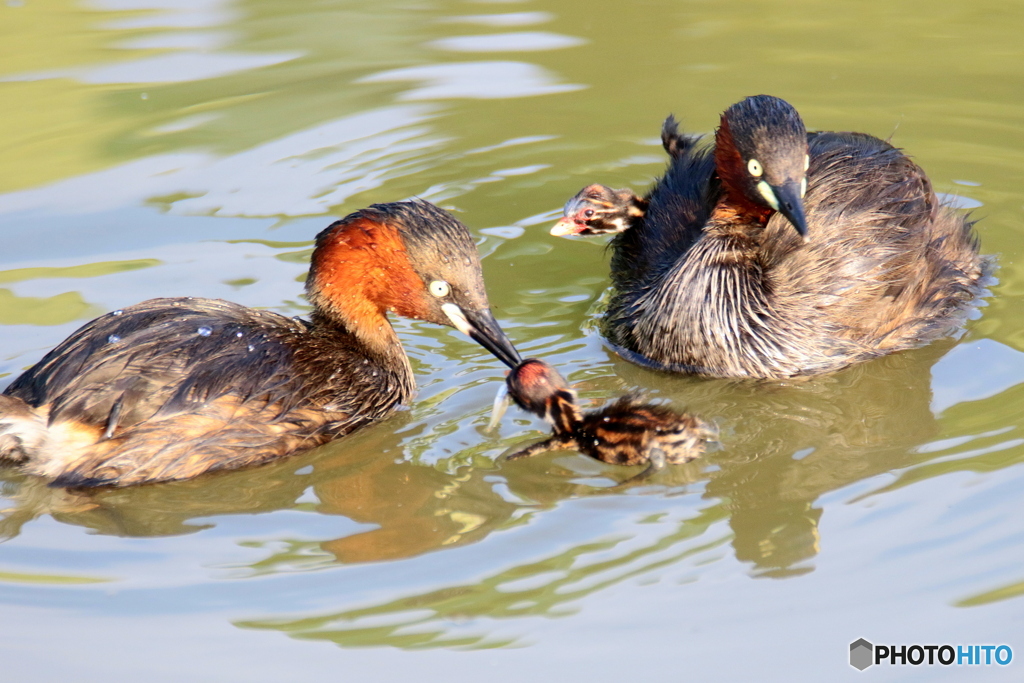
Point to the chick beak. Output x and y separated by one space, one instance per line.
572 222
482 328
566 226
791 205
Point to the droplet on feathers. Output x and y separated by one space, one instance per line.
118 312
113 339
204 331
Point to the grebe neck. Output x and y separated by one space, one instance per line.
735 211
378 343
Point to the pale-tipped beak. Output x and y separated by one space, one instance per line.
566 226
482 328
791 205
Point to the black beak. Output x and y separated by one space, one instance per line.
481 326
791 205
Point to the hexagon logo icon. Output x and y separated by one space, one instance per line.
861 654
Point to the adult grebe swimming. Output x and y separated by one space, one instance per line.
171 388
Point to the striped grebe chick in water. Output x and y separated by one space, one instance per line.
624 432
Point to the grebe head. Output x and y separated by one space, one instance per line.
598 209
536 387
409 258
761 154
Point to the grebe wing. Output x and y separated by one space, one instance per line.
160 357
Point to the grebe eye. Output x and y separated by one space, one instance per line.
754 166
589 213
439 288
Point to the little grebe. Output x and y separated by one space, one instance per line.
625 432
712 281
171 388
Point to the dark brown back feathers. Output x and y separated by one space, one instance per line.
255 384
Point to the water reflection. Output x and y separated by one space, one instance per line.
501 20
791 442
151 511
786 445
975 370
175 68
784 454
523 41
168 132
473 80
454 616
412 508
306 173
54 310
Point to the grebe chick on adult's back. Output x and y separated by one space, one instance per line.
171 388
775 253
599 210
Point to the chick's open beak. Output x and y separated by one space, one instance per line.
481 326
566 226
570 223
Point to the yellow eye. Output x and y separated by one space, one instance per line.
439 288
754 166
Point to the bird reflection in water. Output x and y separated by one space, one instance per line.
782 453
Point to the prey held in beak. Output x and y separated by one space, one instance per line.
501 403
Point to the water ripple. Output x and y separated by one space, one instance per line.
474 80
522 41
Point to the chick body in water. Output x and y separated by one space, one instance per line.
624 432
